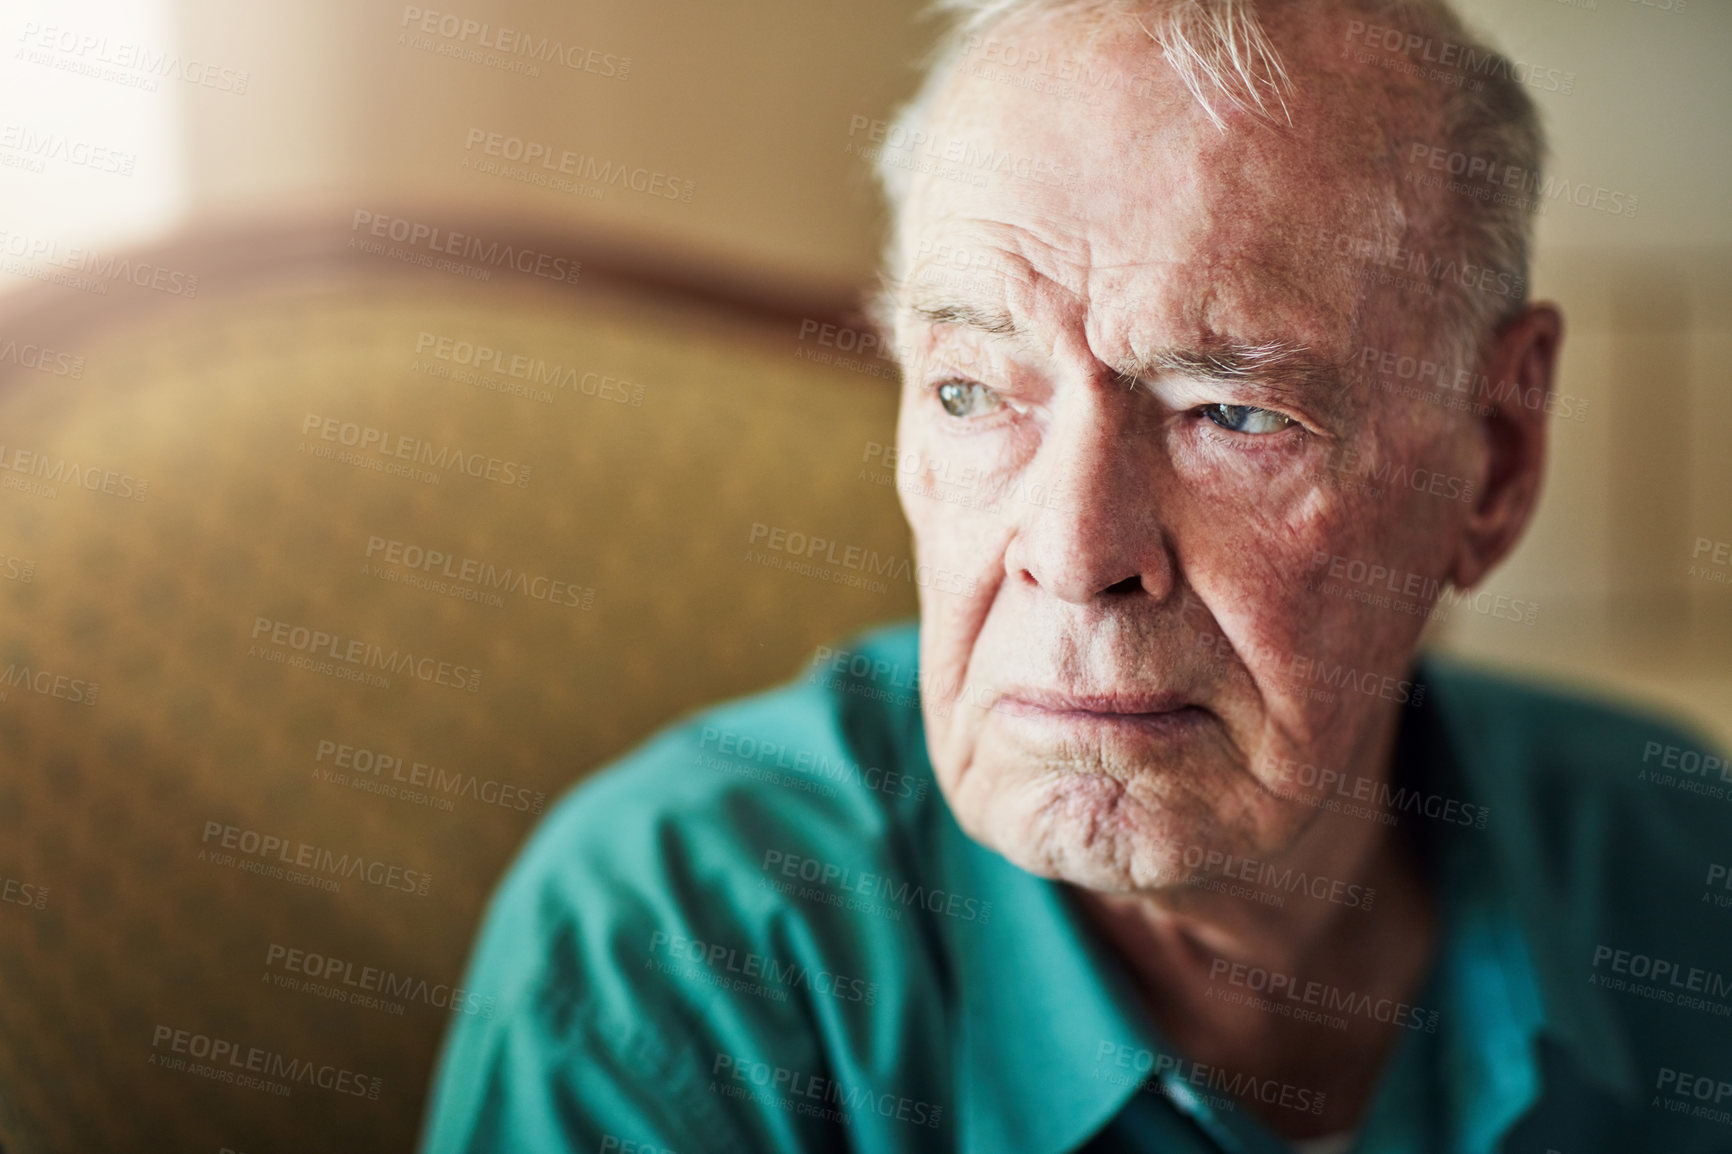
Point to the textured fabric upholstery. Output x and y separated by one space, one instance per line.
668 432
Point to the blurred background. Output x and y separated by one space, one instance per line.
397 404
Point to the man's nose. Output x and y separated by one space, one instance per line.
1098 530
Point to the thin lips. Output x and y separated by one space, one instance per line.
1124 704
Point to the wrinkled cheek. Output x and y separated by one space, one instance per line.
951 725
1323 638
1246 599
1354 616
992 787
960 535
1252 623
960 545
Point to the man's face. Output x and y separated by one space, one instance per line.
1133 416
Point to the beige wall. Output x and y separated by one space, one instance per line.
752 102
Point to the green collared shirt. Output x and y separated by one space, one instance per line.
763 931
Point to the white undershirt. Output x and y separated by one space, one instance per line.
1329 1144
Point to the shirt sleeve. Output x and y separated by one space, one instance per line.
579 1046
527 1082
586 1043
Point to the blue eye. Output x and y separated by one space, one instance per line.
967 399
1246 419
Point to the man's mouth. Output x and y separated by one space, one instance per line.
1157 710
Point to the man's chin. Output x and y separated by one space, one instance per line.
1088 830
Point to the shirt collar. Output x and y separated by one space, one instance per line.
1040 1001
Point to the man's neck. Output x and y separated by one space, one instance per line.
1218 970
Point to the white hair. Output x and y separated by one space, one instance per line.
1221 53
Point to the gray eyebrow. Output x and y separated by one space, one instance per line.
1280 364
994 321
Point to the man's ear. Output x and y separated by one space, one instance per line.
1510 422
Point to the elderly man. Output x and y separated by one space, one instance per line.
1217 382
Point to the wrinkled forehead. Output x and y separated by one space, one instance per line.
1118 190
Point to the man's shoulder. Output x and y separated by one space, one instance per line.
1539 743
733 837
1608 818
